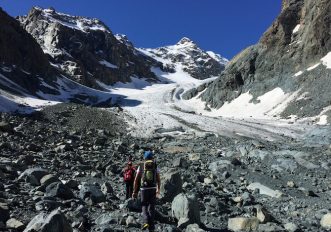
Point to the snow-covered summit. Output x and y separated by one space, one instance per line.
186 42
192 59
75 22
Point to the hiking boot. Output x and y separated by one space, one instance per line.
151 228
145 226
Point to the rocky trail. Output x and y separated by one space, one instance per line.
60 168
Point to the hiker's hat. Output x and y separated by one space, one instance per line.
148 155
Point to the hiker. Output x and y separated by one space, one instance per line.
129 176
148 176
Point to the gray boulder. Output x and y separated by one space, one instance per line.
243 224
186 210
219 166
171 185
105 219
48 179
15 224
194 228
48 205
59 190
180 162
33 175
92 192
53 222
6 127
132 205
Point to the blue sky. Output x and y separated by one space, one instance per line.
223 26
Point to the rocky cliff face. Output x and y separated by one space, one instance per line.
198 63
85 49
21 58
291 55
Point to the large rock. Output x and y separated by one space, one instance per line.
262 214
15 224
171 185
270 227
193 228
132 205
5 127
33 175
186 210
243 224
105 219
47 205
48 179
326 221
264 190
53 222
219 166
93 192
4 212
60 190
291 227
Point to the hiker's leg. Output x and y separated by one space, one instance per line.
151 206
131 189
144 205
127 190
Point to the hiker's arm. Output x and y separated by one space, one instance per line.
136 184
158 181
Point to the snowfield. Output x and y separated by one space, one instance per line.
162 111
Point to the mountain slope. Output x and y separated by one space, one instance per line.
85 49
27 79
286 73
192 59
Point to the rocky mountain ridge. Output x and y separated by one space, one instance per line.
85 49
292 56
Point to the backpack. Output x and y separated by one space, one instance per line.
148 178
129 175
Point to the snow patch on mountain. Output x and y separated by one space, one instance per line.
218 57
108 64
266 106
15 98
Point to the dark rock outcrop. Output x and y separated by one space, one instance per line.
55 221
297 41
21 58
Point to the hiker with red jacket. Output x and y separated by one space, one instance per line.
129 174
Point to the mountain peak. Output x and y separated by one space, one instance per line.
185 40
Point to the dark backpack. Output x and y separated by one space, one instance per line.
129 175
148 178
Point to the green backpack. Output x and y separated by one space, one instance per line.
148 178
